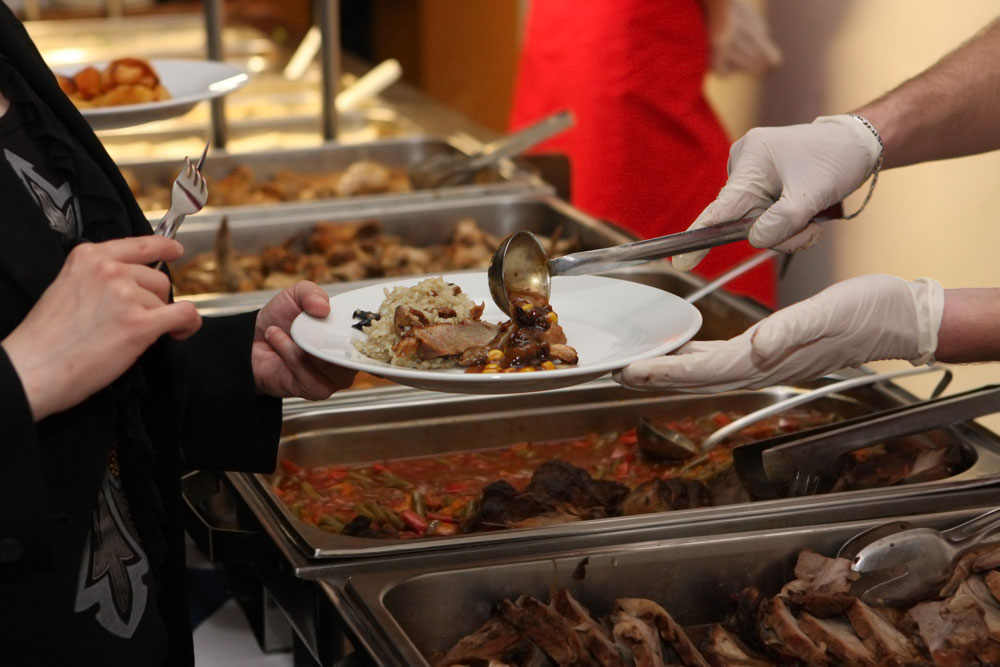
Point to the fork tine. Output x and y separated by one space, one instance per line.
803 484
201 160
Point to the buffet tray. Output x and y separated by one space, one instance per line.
397 152
426 425
417 223
405 614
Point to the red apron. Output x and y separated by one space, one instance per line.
647 152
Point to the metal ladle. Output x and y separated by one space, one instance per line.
660 441
520 264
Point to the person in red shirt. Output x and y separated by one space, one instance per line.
647 151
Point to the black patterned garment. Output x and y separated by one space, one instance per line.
115 601
92 559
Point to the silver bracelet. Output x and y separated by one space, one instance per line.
878 163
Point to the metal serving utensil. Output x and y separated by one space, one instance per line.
661 441
446 169
912 565
768 467
520 263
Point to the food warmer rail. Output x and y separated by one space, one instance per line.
235 518
412 612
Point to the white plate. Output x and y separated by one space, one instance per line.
610 322
187 81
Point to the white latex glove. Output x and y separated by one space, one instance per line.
741 42
787 175
868 318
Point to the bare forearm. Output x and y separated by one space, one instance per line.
947 111
970 326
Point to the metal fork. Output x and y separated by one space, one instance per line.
188 195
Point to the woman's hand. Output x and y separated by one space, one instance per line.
103 310
280 367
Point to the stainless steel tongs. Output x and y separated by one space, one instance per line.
769 467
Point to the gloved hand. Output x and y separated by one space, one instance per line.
741 41
786 175
868 318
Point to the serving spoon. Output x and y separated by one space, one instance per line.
520 264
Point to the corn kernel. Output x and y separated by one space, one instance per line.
548 365
527 369
525 307
491 368
494 355
552 317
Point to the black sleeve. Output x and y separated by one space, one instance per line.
219 419
23 524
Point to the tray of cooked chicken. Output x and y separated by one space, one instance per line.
761 597
440 472
348 176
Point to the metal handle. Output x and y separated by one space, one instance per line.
617 257
522 140
757 415
782 461
975 532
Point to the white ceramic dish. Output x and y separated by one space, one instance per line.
187 81
610 322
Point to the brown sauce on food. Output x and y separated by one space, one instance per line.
531 341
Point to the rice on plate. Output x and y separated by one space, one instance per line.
430 296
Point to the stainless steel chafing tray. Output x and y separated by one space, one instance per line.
416 223
424 425
400 152
404 615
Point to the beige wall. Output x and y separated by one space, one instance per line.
939 219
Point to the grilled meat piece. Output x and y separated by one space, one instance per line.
567 483
663 495
503 506
992 580
781 634
638 639
881 637
496 641
669 630
446 339
548 629
743 614
557 492
822 585
723 648
408 317
953 630
839 639
596 637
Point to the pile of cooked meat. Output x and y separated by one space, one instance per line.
813 620
332 252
